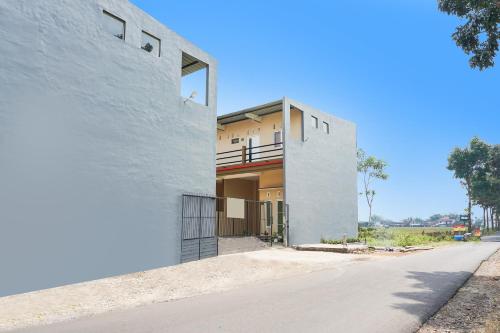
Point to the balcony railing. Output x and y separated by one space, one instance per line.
250 154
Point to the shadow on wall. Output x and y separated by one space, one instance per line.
436 289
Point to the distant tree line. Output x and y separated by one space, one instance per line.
433 220
478 168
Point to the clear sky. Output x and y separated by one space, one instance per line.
390 66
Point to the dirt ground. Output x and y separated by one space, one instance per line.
164 284
475 307
229 245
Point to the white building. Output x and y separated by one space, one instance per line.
96 143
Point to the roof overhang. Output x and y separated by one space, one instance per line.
253 113
191 64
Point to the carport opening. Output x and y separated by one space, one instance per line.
260 198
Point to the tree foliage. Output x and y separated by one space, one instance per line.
371 168
478 168
480 34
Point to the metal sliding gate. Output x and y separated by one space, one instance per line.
199 221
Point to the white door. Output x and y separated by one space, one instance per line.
278 139
252 152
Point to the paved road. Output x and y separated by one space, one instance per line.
389 295
491 238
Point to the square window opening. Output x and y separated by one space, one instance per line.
114 25
194 79
150 43
326 127
314 122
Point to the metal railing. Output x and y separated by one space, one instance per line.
250 154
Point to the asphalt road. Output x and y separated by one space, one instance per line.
491 238
390 295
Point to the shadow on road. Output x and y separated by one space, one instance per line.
434 290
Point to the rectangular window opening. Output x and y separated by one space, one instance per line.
326 127
150 43
194 81
296 123
114 25
314 122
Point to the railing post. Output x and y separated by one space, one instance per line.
243 155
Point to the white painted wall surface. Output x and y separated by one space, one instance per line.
320 178
96 144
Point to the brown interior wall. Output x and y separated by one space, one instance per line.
219 189
271 178
240 188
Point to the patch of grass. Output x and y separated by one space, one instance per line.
339 241
405 236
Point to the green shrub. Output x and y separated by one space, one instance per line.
398 236
337 241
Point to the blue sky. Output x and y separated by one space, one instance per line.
390 66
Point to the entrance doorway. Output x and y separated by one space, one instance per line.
280 217
253 148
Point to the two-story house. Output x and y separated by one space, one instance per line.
295 168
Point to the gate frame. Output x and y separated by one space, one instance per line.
216 236
265 205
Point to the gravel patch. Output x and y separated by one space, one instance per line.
164 284
475 307
228 245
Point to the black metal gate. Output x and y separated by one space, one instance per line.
199 236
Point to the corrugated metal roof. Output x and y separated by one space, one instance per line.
190 64
260 110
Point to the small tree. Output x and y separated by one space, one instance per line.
372 169
480 34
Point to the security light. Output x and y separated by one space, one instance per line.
192 96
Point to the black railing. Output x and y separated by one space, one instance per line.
250 154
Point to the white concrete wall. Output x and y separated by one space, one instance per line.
96 144
320 178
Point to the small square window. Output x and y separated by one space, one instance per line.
114 25
314 122
150 43
326 127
